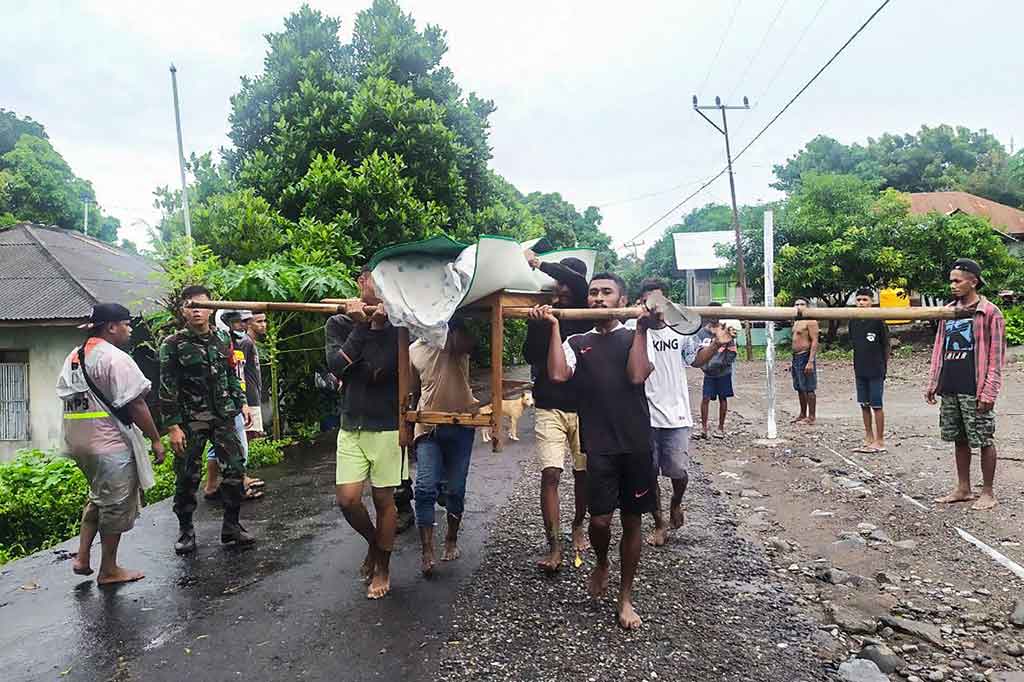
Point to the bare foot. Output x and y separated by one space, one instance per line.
580 542
809 421
658 537
119 575
379 586
985 502
677 517
451 551
553 561
81 566
957 495
629 619
427 563
798 420
366 570
597 585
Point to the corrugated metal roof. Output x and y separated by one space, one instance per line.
696 250
49 273
1002 217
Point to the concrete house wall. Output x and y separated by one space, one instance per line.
47 347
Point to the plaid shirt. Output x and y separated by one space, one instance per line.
989 351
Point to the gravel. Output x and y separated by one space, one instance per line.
712 608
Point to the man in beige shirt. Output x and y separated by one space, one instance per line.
441 378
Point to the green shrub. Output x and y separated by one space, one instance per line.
1014 318
164 475
41 500
265 452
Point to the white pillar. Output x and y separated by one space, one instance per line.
769 327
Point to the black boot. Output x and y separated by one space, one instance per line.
186 543
232 532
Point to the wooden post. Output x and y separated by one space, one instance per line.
497 357
405 428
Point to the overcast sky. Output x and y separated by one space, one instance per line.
593 97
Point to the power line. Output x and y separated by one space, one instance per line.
768 125
789 55
728 27
648 195
757 52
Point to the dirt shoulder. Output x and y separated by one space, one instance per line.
858 538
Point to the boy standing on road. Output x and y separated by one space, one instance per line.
609 366
363 354
200 396
804 368
870 339
966 374
717 376
557 423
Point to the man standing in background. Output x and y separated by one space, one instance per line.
256 332
967 374
870 339
717 377
804 368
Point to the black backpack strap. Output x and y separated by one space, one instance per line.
122 414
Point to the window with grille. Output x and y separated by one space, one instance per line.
13 395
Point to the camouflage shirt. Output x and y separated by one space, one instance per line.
197 378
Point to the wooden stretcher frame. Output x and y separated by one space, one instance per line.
491 308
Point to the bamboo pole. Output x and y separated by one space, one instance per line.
758 313
349 306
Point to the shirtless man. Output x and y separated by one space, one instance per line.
804 368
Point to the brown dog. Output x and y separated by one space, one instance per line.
513 409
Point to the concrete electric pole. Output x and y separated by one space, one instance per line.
740 267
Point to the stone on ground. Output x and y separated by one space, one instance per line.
861 670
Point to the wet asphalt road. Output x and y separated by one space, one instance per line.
292 608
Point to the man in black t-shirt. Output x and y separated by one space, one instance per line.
609 366
870 339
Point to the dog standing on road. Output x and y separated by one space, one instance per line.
513 409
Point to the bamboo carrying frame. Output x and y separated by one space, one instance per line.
516 305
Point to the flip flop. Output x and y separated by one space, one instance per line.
252 494
864 449
718 434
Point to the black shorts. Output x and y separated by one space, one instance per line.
624 482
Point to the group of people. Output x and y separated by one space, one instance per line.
611 401
209 394
965 377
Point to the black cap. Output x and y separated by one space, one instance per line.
971 266
102 313
576 265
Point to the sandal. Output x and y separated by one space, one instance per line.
718 434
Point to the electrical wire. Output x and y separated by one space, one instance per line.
771 122
757 52
721 44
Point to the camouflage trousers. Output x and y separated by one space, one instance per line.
960 421
188 467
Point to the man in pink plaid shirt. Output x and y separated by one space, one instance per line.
966 375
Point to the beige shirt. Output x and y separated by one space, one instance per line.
442 380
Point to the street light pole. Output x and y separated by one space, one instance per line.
181 167
741 269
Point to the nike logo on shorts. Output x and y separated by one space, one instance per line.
638 495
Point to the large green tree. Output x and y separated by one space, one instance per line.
37 185
939 158
566 227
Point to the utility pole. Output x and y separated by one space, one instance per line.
181 167
633 245
85 217
740 267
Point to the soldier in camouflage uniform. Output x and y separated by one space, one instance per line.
200 397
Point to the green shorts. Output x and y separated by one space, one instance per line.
374 455
960 421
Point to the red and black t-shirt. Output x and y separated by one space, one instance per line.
613 412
